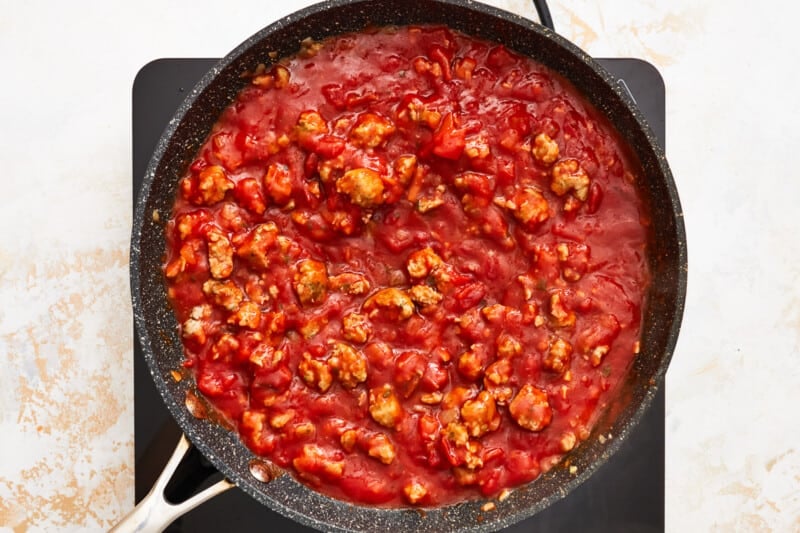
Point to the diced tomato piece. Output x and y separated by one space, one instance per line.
448 140
500 57
366 488
248 193
214 381
329 146
408 371
435 377
225 150
443 57
469 295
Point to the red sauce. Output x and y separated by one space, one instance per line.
409 267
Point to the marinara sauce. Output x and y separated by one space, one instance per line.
409 266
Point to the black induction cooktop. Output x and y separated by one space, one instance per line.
624 495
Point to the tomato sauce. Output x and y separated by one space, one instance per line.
409 266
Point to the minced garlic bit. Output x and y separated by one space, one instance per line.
488 506
573 470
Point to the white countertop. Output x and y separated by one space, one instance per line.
66 394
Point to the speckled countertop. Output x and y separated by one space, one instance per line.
66 391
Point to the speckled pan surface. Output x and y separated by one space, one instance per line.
157 328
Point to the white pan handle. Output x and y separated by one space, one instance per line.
154 513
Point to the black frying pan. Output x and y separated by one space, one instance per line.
158 329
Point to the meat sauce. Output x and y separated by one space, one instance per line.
409 266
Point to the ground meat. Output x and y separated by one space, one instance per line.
315 373
316 463
348 364
225 294
530 408
422 262
384 406
311 281
349 283
545 149
393 304
363 185
371 130
356 327
220 255
424 295
212 184
256 246
557 358
568 176
480 415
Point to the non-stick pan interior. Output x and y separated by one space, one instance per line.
185 133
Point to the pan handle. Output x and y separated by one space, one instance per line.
154 513
545 19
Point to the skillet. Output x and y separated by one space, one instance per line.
157 327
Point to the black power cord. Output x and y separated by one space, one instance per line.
544 13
